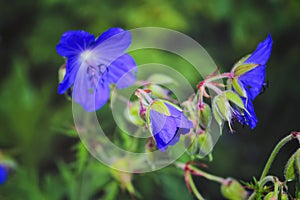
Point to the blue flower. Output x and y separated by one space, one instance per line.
3 174
92 64
253 80
166 128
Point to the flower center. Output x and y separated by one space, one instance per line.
95 74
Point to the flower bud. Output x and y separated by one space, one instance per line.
274 196
205 116
205 144
233 190
132 113
158 91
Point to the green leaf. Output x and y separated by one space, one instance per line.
234 98
205 116
292 168
160 107
244 68
238 88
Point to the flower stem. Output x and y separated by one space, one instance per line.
193 187
199 172
274 153
219 76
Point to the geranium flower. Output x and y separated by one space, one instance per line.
92 64
250 76
3 174
167 124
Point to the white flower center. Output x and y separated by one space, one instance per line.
86 55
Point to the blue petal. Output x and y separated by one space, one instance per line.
167 129
158 121
107 34
111 48
262 52
122 71
3 174
91 97
253 81
248 117
72 67
74 42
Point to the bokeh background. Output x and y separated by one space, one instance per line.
36 123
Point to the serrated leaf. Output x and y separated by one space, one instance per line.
238 88
205 116
244 68
234 98
160 107
292 168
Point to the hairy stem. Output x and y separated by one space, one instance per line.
274 153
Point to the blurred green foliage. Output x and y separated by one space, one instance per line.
34 120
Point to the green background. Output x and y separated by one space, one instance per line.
36 123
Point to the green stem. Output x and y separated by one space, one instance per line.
274 153
193 187
207 175
199 172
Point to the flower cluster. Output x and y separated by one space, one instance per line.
93 64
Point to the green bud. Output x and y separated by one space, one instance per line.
205 115
222 107
292 168
205 144
132 113
61 73
274 196
191 143
158 91
233 190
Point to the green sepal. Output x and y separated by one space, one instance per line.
244 68
292 167
241 61
160 106
223 107
205 116
234 98
217 115
233 190
238 88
